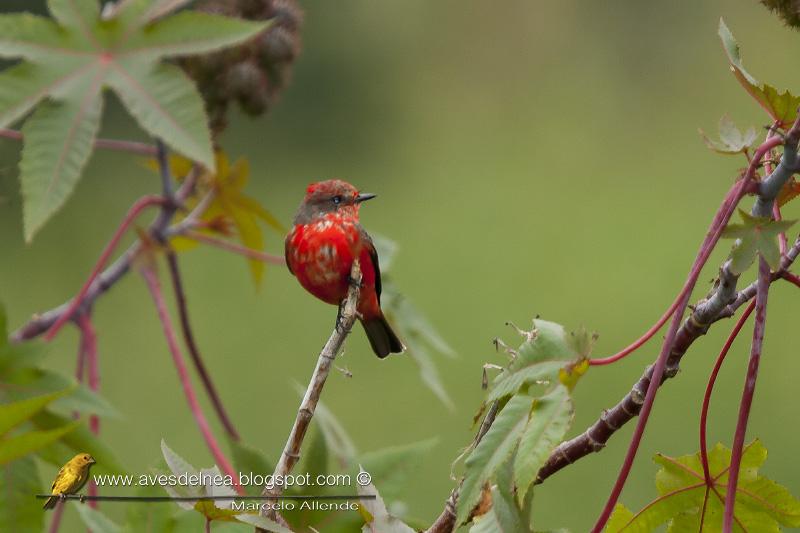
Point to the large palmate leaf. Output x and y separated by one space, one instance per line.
731 139
20 511
684 502
781 106
72 57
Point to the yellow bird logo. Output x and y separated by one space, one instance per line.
70 478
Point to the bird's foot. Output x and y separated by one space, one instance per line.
82 498
340 317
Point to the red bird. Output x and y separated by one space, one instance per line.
320 250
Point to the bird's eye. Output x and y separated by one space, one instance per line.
337 200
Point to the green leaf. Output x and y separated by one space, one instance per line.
96 521
756 236
74 57
58 142
503 517
315 460
144 516
249 460
31 441
20 511
731 140
392 466
539 360
761 504
179 466
377 518
492 451
15 413
781 106
549 422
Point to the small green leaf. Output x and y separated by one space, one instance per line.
492 451
315 460
756 236
780 106
503 517
549 422
392 466
539 360
15 413
96 521
336 438
249 460
731 140
31 441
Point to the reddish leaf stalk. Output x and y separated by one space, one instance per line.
712 237
140 205
235 248
638 343
791 278
89 349
710 388
132 147
191 345
762 292
151 279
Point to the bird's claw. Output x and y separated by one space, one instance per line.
82 498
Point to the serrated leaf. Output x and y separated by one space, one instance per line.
781 106
15 413
549 422
731 140
76 55
755 236
503 517
376 517
29 442
20 511
683 502
539 359
492 451
96 521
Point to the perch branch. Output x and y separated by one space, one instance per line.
344 323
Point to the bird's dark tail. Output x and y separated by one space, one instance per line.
50 503
381 337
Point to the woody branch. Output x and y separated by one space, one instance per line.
722 302
291 452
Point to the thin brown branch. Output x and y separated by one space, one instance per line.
291 452
194 351
42 322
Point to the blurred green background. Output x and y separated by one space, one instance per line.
529 157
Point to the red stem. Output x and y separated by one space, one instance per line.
710 388
235 248
712 237
109 144
89 349
762 291
194 351
791 278
638 343
55 523
140 205
180 365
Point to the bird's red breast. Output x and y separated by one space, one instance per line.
320 254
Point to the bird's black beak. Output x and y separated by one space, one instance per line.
364 196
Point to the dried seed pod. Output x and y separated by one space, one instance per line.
254 73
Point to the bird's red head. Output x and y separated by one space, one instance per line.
330 196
